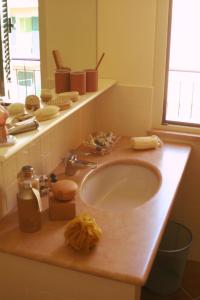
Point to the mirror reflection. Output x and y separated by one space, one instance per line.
36 28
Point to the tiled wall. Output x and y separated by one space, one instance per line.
125 110
45 153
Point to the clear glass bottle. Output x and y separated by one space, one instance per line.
28 199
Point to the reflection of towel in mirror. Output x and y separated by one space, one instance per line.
146 142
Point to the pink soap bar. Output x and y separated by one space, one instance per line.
61 210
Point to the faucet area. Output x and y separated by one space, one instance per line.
89 179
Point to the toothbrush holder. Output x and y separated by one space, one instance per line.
78 82
62 81
91 80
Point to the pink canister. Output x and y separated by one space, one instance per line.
78 82
91 80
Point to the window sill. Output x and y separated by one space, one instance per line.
184 137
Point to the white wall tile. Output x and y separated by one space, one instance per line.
3 202
35 155
11 196
46 143
125 110
72 131
88 120
23 158
9 169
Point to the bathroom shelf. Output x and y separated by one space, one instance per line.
26 138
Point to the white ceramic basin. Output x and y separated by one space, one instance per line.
120 185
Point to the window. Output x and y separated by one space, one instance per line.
35 24
20 66
25 24
2 92
25 78
28 24
182 88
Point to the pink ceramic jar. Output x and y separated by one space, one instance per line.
91 80
62 81
78 82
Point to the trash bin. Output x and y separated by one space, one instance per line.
166 273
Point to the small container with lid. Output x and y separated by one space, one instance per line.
28 200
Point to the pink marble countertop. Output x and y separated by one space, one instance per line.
130 239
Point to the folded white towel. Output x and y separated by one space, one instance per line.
146 142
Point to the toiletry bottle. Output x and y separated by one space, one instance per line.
28 201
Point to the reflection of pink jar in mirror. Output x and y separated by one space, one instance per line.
3 129
62 81
91 80
78 82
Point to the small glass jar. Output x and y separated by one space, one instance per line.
27 174
28 199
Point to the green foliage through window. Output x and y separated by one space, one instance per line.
25 24
35 26
25 78
29 24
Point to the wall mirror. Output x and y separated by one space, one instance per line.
70 26
38 27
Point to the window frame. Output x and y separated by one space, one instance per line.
159 77
164 120
2 88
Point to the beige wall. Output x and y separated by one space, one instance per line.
126 32
70 26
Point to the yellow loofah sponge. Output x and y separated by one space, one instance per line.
82 233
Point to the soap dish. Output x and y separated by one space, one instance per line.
101 143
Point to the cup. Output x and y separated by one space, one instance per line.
91 80
62 81
78 82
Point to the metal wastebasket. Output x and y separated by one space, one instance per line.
166 273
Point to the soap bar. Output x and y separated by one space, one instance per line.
73 96
61 210
47 112
61 102
147 142
16 109
64 190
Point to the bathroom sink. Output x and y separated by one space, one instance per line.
120 185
